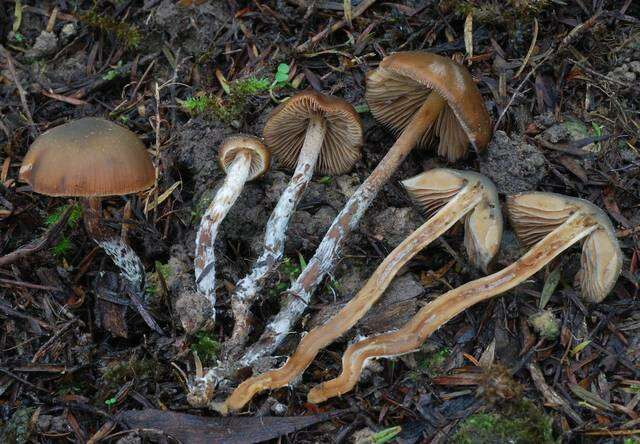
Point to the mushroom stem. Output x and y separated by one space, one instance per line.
435 314
248 289
347 317
118 250
326 254
204 263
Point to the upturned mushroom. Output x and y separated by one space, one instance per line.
422 87
309 132
243 158
446 196
555 222
92 158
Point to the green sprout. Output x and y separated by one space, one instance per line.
64 245
280 79
113 72
111 402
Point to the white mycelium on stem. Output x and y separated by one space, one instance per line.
205 260
309 132
247 290
243 158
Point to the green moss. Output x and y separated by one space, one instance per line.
230 107
117 373
517 423
497 12
206 347
545 324
18 428
127 34
432 363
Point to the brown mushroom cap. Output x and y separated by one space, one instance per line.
404 80
89 157
285 131
260 156
432 190
534 215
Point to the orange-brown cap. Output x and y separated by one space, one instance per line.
434 188
404 80
535 214
285 131
89 157
233 145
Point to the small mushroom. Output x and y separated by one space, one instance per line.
308 132
243 158
420 87
554 222
92 158
445 195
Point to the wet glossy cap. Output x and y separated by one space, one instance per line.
404 80
233 145
534 215
286 128
433 189
89 157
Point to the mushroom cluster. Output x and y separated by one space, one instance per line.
425 98
429 101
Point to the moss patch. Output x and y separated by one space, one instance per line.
518 423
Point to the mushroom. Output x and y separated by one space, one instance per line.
243 158
444 194
421 87
92 158
555 222
307 130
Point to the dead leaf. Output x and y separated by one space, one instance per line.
230 430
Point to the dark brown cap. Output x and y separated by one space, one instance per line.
233 145
285 131
404 80
534 215
89 157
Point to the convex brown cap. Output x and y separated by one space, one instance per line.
285 131
534 215
404 80
233 145
89 157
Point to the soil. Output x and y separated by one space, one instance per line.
74 350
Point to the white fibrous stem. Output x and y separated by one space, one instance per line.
126 259
204 263
118 250
248 289
435 314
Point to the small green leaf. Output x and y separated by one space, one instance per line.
303 263
385 435
549 287
111 402
578 348
325 180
